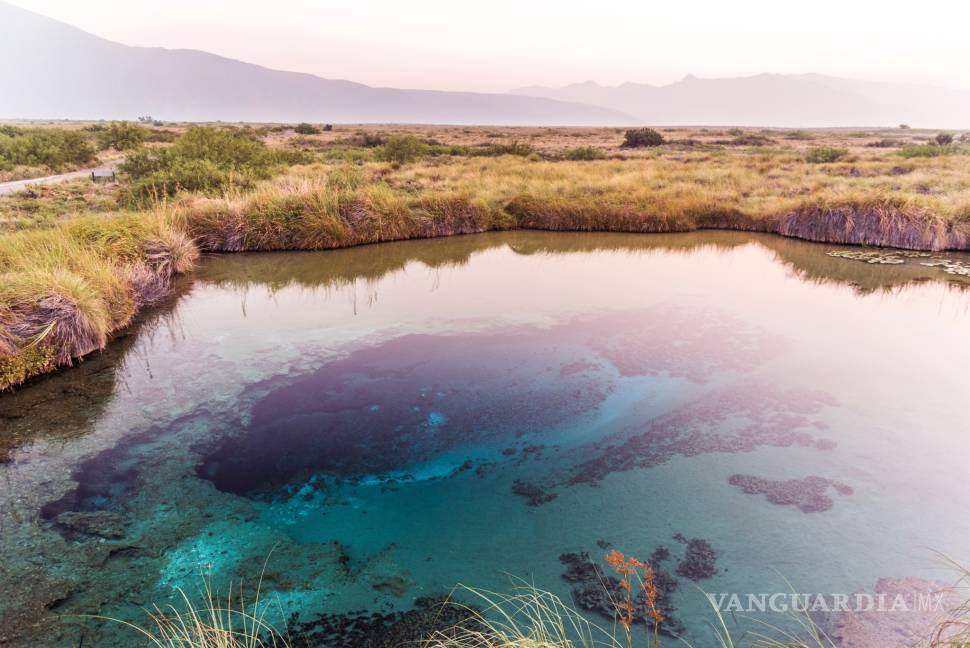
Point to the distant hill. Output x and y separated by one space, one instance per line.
52 70
800 100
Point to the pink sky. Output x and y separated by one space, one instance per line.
501 44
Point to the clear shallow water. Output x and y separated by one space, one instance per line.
388 421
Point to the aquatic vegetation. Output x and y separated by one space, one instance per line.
699 559
950 266
432 621
898 257
763 417
808 494
534 494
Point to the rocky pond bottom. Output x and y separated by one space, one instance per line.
365 429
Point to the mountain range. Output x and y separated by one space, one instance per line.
55 71
794 100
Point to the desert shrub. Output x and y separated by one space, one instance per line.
203 159
121 136
736 132
306 129
642 137
54 148
928 150
825 154
512 148
582 153
799 135
160 135
944 139
884 143
904 126
367 140
402 149
750 139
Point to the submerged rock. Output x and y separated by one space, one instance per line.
534 493
364 629
698 562
105 524
760 416
593 590
920 606
810 494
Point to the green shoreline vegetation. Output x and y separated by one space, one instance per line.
79 263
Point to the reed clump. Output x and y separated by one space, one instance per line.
232 622
64 290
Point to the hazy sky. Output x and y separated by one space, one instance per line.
502 44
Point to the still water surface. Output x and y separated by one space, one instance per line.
388 421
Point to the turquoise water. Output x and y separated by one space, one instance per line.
368 427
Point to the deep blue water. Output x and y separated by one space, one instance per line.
368 427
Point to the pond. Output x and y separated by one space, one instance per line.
367 428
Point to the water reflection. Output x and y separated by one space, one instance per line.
398 418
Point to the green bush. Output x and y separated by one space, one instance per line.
751 139
642 137
367 140
203 159
54 148
514 147
121 136
402 149
927 150
306 129
944 139
825 154
583 153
